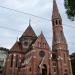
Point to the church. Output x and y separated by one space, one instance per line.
31 55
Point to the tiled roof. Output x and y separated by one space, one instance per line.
29 32
17 47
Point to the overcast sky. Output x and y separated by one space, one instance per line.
18 22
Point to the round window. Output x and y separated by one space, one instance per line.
42 53
26 43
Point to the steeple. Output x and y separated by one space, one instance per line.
55 13
58 35
60 54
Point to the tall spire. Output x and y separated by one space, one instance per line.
55 13
60 51
58 35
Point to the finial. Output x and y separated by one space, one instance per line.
29 22
41 31
17 39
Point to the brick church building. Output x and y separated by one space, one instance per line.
31 55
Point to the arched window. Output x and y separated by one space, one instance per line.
30 69
54 64
54 57
44 45
66 72
11 61
56 22
39 44
44 69
17 61
54 69
64 58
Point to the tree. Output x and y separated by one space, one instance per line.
70 9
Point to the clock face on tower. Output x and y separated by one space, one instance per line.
42 53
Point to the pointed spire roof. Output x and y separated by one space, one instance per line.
17 47
29 31
55 13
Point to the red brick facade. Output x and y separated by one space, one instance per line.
31 55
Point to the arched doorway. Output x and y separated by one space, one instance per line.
44 69
65 72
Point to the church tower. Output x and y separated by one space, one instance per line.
61 60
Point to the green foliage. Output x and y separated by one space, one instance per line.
70 9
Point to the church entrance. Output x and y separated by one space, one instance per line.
65 74
44 69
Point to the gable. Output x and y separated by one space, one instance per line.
41 42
